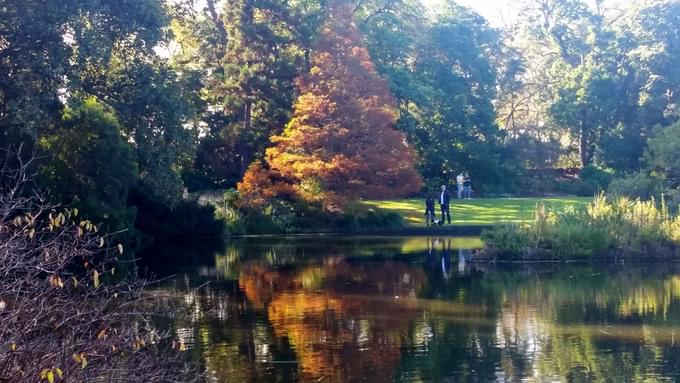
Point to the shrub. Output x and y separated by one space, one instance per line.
662 155
358 218
509 239
63 316
186 219
597 178
280 216
637 185
672 198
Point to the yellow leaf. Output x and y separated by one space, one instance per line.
120 248
101 242
56 281
59 372
84 363
75 212
75 282
113 271
95 277
31 233
13 347
43 373
50 376
77 358
80 232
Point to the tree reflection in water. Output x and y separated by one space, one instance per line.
345 321
413 310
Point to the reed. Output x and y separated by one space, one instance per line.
622 227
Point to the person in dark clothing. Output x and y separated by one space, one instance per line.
444 199
429 210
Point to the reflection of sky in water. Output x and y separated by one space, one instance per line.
415 310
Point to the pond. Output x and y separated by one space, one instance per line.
385 309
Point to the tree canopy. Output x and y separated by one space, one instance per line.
341 142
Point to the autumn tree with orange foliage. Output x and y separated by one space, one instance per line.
341 143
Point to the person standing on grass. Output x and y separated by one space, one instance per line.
460 178
429 209
467 186
444 200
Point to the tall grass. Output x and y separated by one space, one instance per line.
605 228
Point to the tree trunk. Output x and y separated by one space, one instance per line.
224 38
584 139
243 146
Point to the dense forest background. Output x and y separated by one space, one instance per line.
130 107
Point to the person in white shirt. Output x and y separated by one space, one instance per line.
459 183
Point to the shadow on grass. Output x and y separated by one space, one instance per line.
479 211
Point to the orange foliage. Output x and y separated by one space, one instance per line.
341 142
347 324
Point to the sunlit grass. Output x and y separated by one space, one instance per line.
421 244
481 211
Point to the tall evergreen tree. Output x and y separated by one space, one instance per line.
341 142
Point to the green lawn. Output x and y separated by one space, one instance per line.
479 211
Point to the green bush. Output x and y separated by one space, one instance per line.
362 219
597 178
185 219
284 217
509 239
672 198
91 166
637 185
662 155
574 187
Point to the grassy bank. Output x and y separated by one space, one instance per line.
373 216
486 211
618 229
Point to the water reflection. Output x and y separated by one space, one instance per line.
395 309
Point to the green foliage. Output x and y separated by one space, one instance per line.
662 155
623 227
186 219
452 122
153 103
247 54
92 167
360 219
55 58
636 185
283 217
597 178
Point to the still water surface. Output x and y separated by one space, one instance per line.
372 309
